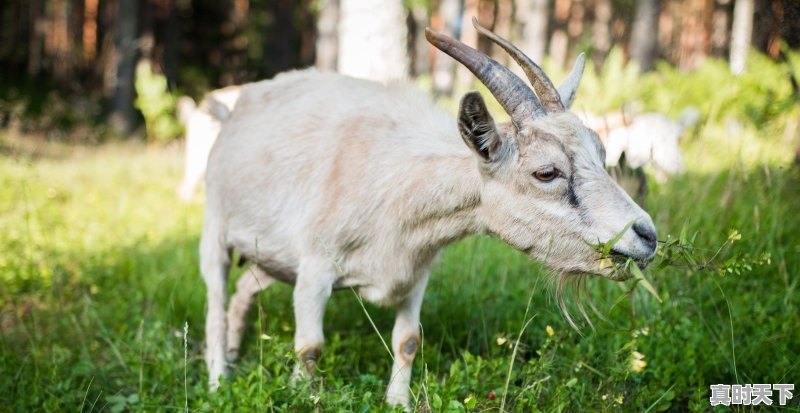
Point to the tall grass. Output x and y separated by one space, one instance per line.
98 278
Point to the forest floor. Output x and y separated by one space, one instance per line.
99 279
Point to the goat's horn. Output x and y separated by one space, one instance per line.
514 95
544 88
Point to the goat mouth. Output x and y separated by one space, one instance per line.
622 258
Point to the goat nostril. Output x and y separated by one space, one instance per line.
645 232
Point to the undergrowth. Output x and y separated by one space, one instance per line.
102 307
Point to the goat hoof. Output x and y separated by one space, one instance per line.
399 399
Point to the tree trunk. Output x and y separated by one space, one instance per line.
327 36
445 22
695 38
559 42
235 43
531 18
420 55
171 43
123 116
502 26
644 39
35 44
720 34
372 39
741 34
601 28
280 51
469 36
89 34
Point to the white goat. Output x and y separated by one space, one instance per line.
648 139
328 182
202 124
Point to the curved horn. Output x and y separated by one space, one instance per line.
544 88
514 95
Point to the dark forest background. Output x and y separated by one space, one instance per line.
72 63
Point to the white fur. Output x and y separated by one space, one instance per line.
647 140
202 125
328 182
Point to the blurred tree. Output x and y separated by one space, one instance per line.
559 41
60 42
531 20
418 21
695 34
503 14
372 39
601 28
469 36
282 50
89 31
644 39
446 20
123 115
36 35
741 34
327 36
720 31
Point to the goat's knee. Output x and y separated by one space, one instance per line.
398 393
409 348
405 342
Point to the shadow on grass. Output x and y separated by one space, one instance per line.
107 330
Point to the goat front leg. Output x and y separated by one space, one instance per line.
311 293
405 341
214 264
250 284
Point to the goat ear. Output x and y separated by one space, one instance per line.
477 126
568 89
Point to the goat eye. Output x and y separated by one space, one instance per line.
546 175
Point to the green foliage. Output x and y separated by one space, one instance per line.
759 97
157 104
37 108
98 276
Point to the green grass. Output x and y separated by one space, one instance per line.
98 276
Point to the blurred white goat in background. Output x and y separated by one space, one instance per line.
647 140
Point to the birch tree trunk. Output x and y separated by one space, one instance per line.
372 39
741 34
644 38
469 36
449 14
327 44
531 18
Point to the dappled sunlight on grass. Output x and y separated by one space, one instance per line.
99 275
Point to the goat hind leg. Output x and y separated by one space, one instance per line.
252 282
214 264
